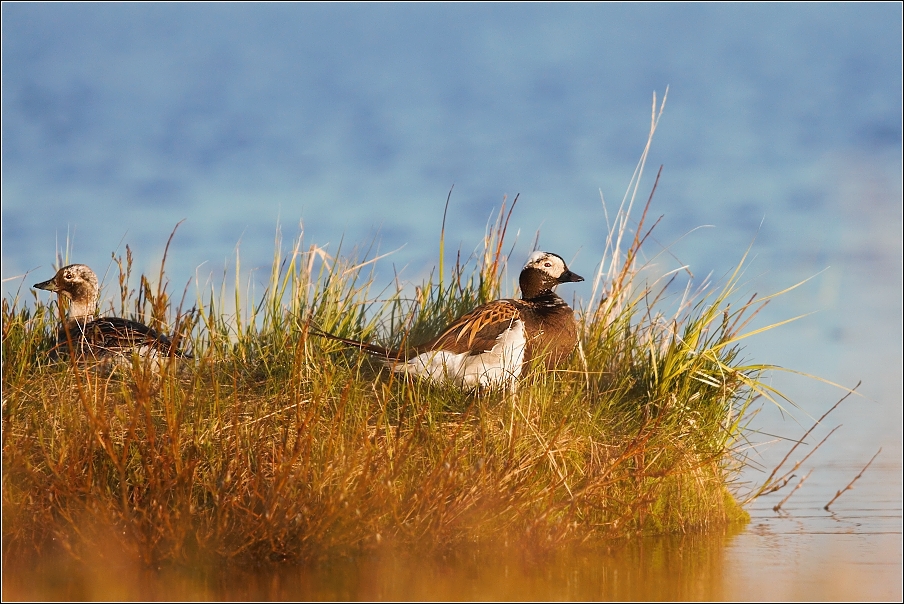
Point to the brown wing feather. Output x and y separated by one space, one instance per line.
477 330
474 332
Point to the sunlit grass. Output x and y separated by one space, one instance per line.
270 445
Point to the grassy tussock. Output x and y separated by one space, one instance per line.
272 445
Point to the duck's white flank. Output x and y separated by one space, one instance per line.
499 366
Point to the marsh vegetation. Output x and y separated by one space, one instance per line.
272 445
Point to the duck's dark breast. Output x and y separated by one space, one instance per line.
552 333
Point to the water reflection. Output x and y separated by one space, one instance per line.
776 557
688 567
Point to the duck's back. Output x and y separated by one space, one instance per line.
114 336
477 331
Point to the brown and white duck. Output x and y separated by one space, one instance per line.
100 338
491 345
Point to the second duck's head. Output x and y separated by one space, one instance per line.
78 283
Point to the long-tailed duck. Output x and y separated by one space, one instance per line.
102 339
490 346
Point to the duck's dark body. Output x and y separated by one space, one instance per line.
549 328
112 335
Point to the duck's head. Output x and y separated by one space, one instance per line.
543 271
78 283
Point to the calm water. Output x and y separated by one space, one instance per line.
782 128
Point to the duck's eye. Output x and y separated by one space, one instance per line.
547 264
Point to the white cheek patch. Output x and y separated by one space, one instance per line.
494 368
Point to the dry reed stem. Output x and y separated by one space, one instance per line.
779 505
851 483
769 485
